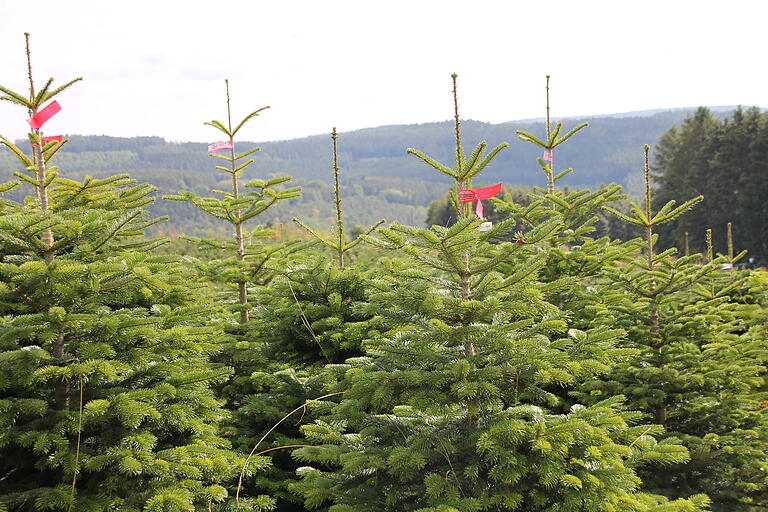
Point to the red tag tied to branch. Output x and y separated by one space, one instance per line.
547 156
45 140
473 195
38 120
218 146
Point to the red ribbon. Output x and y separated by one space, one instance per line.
57 138
38 120
477 195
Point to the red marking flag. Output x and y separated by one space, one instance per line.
218 146
547 156
39 119
45 140
473 195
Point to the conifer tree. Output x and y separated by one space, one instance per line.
697 373
312 313
725 161
247 257
553 139
451 409
261 389
576 254
106 401
338 241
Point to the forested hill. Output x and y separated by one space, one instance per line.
380 179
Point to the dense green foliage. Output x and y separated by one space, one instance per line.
461 405
556 360
106 373
726 161
699 370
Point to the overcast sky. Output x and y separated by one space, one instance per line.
158 67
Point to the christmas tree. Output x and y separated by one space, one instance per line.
451 409
699 369
106 375
314 312
338 240
246 255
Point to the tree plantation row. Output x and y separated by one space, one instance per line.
719 154
513 359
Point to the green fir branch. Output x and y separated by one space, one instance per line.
312 232
58 90
219 126
529 137
41 93
24 159
569 134
14 97
246 119
434 163
488 158
359 239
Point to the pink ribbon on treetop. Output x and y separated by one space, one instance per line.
547 156
38 120
473 195
218 146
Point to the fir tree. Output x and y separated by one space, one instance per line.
338 241
247 257
311 314
577 254
260 390
697 374
450 410
106 400
553 139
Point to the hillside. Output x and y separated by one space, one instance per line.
380 179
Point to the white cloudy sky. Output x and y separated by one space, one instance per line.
158 67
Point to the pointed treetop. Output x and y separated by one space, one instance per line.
553 139
644 216
647 168
729 234
549 124
465 168
229 106
457 124
228 130
339 242
34 100
29 68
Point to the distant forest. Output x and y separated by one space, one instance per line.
379 179
726 162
